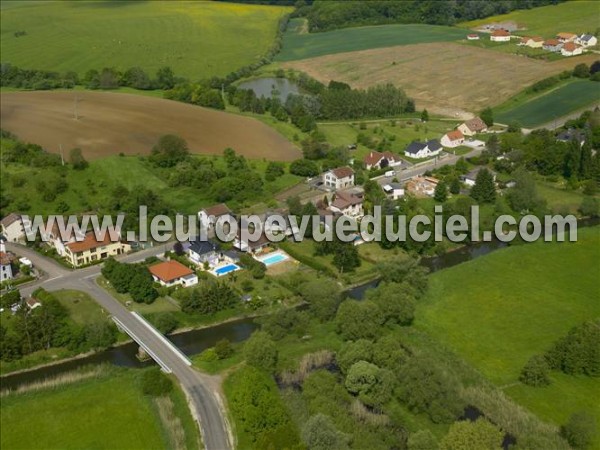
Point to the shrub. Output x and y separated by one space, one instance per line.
580 430
535 372
223 349
155 383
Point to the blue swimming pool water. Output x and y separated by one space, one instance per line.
226 269
273 259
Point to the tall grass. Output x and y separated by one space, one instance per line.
171 422
308 363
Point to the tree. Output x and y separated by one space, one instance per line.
137 78
484 190
395 303
590 207
513 127
580 430
535 372
223 349
578 352
323 298
487 115
77 160
353 351
523 196
260 351
406 271
424 116
481 434
346 258
178 249
440 194
166 322
319 433
99 335
455 186
165 79
304 168
273 171
155 383
372 385
358 320
422 440
581 71
169 151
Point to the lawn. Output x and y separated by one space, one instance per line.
82 308
196 39
551 105
498 311
572 16
298 45
109 412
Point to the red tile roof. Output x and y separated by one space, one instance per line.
90 241
170 271
343 172
455 135
6 258
552 42
500 33
566 35
570 46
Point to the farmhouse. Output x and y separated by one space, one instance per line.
587 40
208 216
423 150
394 191
533 42
472 126
473 37
453 139
566 37
470 178
422 186
91 249
378 160
12 228
173 273
339 178
500 36
552 45
347 203
571 49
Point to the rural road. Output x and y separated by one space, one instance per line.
202 392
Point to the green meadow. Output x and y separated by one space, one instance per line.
196 39
299 45
541 109
499 310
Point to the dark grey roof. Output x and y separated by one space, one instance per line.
232 254
570 134
586 37
434 145
203 247
415 147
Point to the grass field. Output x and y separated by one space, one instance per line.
465 78
82 308
110 412
196 39
546 107
110 124
300 45
572 16
497 313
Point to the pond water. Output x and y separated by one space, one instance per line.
269 87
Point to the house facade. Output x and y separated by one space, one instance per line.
453 139
173 273
587 40
420 150
473 37
500 36
6 272
208 216
378 160
339 178
91 249
532 42
552 45
12 228
200 252
393 191
472 127
566 37
348 203
571 49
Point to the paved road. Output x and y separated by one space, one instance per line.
202 392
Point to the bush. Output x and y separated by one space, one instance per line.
535 372
223 349
580 430
579 351
155 383
166 322
260 351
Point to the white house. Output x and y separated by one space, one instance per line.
378 160
173 273
12 228
472 126
500 36
470 178
453 139
552 45
200 251
394 191
6 272
473 37
587 40
423 149
209 216
571 49
339 178
348 204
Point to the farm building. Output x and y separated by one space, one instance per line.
378 160
423 150
500 36
533 42
571 49
339 178
473 37
172 273
453 139
587 40
566 37
472 126
552 45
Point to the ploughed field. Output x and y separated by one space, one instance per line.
446 78
110 123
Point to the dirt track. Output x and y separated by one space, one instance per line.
111 123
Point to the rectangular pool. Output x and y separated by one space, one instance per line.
273 259
226 269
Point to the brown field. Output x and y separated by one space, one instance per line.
111 123
446 78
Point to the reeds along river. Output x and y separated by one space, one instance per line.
195 341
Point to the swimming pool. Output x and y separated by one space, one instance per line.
226 269
273 259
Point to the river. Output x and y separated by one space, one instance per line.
195 341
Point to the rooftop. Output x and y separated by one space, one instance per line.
217 210
170 271
90 241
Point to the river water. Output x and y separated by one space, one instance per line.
195 341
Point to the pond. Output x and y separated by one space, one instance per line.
270 87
